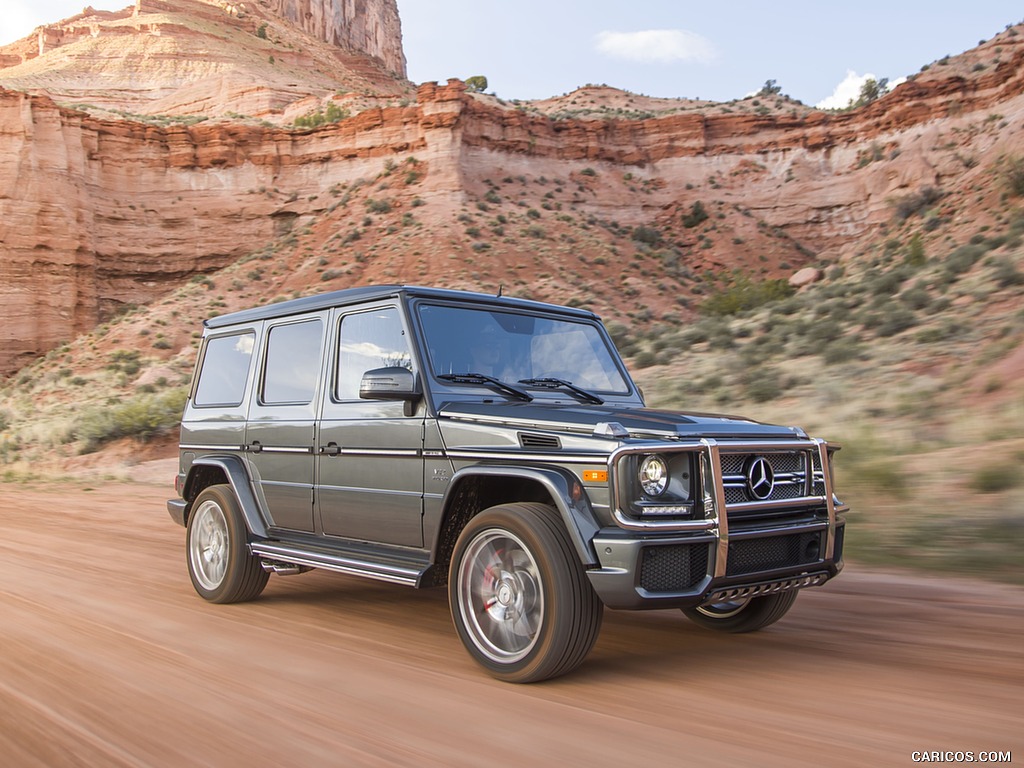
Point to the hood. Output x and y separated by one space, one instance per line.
639 422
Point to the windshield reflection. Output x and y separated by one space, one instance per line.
512 347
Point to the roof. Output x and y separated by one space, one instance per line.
351 296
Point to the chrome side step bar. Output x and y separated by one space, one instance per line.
277 554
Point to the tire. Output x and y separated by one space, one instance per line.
219 562
519 598
746 615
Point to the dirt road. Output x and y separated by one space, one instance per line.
108 658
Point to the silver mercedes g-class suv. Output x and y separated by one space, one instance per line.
429 437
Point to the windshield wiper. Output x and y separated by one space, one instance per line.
550 383
480 378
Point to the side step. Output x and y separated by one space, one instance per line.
396 570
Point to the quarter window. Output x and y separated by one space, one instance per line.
293 363
225 370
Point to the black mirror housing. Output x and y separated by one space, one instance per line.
392 383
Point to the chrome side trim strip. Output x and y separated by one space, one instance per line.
555 457
203 447
404 453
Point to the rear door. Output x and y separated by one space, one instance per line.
369 452
282 418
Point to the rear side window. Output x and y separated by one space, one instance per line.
293 363
225 370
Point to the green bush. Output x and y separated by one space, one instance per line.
696 215
1013 175
647 235
964 257
916 202
143 417
742 294
995 478
378 206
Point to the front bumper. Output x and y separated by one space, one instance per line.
656 570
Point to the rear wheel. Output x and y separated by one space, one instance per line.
519 598
745 615
219 562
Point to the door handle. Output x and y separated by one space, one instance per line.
331 449
256 446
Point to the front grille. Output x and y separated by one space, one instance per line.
673 568
771 552
789 470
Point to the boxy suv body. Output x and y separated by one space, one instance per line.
429 437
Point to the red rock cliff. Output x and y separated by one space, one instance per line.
371 26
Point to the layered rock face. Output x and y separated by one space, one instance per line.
371 26
97 214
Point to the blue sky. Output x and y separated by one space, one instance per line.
531 49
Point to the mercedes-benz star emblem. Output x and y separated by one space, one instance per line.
760 478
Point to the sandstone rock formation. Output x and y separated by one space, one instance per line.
98 214
371 26
212 58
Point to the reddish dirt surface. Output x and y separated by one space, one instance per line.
108 657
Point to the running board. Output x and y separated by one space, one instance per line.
393 572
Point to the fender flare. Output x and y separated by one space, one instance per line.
573 507
238 479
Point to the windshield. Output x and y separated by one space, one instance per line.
514 347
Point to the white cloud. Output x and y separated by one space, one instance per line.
662 46
848 90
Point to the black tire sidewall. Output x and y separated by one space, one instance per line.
240 563
532 525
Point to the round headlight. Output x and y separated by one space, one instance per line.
653 475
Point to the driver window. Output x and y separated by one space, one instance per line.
369 340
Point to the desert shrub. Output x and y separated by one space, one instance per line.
915 256
644 359
916 297
378 206
1013 175
763 384
1007 274
742 294
647 235
963 258
143 417
916 202
125 361
897 320
997 477
696 215
842 351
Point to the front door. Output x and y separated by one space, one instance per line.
369 452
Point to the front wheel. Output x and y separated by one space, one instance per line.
219 562
519 598
745 615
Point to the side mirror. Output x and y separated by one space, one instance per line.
394 383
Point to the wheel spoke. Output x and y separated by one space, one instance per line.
500 596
